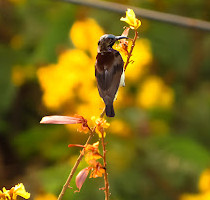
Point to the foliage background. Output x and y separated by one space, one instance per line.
159 142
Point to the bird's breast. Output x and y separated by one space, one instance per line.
105 60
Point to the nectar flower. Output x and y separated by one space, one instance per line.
18 190
98 171
131 19
92 153
57 119
100 124
92 147
123 43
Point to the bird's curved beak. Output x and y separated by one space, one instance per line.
120 37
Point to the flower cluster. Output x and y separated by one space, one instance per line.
92 154
17 190
91 157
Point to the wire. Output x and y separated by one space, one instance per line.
147 14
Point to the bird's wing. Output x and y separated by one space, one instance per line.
109 79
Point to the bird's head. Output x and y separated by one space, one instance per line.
107 41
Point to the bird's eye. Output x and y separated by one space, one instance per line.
98 42
112 42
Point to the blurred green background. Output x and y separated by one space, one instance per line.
159 142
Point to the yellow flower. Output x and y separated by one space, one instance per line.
204 182
91 157
18 190
5 194
98 171
100 124
131 19
92 147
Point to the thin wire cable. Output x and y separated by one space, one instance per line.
147 14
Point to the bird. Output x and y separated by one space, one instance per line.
109 71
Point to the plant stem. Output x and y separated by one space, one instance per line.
105 166
66 185
103 113
130 53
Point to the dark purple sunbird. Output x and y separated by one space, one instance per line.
109 71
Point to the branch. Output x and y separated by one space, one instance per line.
66 185
147 14
105 174
131 50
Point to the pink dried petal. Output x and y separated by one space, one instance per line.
57 119
81 177
125 34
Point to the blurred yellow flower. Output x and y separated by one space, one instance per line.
45 197
120 128
142 56
154 93
125 98
192 197
85 35
131 19
70 83
18 190
62 81
201 196
204 182
204 187
93 102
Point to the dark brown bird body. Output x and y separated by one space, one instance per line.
108 70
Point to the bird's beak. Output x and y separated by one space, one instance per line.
120 37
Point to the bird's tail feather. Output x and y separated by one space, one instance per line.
110 110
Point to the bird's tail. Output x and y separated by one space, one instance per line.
110 110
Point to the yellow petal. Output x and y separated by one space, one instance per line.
131 19
20 191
